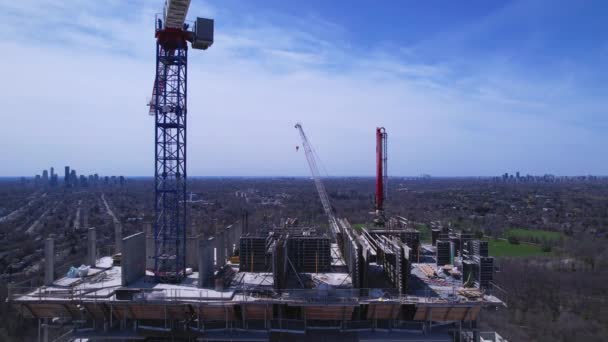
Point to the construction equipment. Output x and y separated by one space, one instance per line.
381 175
312 163
168 106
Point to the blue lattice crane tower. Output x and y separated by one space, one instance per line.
169 108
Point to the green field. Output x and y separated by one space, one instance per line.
358 226
425 232
528 234
502 248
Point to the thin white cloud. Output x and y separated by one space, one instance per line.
81 101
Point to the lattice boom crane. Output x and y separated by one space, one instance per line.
169 108
312 164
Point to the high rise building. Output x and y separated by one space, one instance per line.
73 178
66 176
45 176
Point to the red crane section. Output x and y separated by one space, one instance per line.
381 171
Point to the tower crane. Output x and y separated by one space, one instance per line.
312 164
381 175
169 107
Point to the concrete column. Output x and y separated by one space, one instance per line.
117 238
92 247
228 237
149 245
133 261
205 261
49 261
221 249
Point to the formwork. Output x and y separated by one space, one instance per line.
479 248
470 269
279 263
435 236
394 257
461 241
486 271
353 258
444 252
309 253
410 236
253 253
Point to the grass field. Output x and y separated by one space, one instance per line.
425 232
527 234
502 248
358 226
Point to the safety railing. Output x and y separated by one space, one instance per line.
185 294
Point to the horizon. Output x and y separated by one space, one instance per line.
339 176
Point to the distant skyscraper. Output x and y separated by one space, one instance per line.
66 176
73 178
45 176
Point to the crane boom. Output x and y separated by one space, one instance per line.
312 164
175 12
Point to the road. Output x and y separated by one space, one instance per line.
117 225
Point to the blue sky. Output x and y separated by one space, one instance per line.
463 88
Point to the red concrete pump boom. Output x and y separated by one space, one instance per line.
381 172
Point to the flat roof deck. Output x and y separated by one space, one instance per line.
104 280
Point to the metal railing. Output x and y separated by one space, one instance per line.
186 293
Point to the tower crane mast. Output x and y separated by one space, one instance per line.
169 108
314 170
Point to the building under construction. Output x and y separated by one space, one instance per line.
270 283
285 282
275 282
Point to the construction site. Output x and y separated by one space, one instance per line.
285 281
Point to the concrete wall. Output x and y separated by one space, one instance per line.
92 247
220 247
192 245
149 245
133 258
205 262
49 261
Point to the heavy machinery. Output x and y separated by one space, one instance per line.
169 108
381 175
314 170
